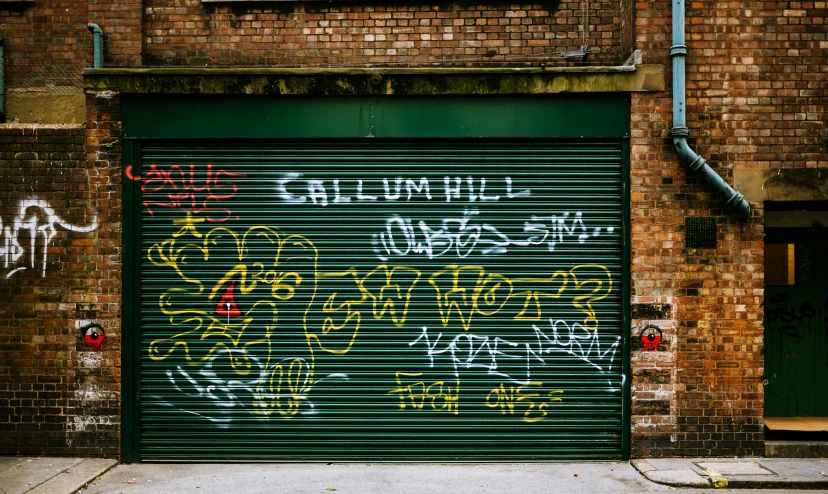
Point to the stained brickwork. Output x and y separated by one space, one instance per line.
755 99
60 273
197 34
121 23
47 44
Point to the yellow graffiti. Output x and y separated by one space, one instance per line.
268 272
526 395
600 292
209 332
533 296
443 398
284 390
461 292
388 289
336 303
394 293
188 226
453 295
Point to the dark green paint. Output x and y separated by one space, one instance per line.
130 324
355 417
626 402
796 329
357 420
216 117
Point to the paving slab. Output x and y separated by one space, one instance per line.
735 468
678 478
29 472
76 477
738 473
7 462
816 468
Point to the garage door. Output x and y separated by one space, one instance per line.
400 300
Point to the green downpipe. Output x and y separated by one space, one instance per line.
2 80
679 132
97 43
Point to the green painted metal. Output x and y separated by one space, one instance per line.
217 117
131 341
626 402
288 314
270 327
796 329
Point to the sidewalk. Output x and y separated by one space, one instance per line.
50 475
737 473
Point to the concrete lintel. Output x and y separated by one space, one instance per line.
786 184
49 107
377 81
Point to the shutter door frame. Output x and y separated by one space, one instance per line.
132 254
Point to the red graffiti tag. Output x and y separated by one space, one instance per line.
227 305
184 192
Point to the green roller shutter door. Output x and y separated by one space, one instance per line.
382 301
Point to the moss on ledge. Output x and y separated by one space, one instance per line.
368 82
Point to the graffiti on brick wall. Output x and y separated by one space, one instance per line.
93 335
650 337
26 239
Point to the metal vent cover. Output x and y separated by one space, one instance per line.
700 232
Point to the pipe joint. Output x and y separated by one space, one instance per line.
94 28
733 199
678 50
679 131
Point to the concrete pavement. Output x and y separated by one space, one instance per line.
738 473
45 475
49 475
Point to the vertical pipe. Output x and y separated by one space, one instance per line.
679 132
2 80
97 43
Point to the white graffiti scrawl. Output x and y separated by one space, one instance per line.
39 220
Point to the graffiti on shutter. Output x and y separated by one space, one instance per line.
271 269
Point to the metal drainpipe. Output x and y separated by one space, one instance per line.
2 80
97 43
679 132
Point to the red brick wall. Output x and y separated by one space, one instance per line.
755 99
59 271
47 44
308 34
121 23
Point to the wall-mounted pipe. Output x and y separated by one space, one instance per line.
679 132
97 43
2 80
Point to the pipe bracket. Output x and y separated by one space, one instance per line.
676 50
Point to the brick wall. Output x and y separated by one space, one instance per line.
121 24
755 98
308 34
59 273
47 44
